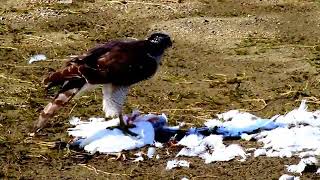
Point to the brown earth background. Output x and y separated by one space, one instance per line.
261 56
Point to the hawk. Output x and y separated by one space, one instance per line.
116 65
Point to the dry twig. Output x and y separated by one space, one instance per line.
257 100
288 92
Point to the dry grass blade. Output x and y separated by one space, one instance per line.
203 117
41 38
191 109
97 171
311 99
37 156
72 108
52 60
8 47
205 177
22 66
13 104
46 144
15 79
143 3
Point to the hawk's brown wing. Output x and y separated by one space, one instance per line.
90 58
125 64
117 62
72 69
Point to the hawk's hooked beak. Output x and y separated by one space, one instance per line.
170 43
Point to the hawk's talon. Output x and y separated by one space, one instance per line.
125 129
130 126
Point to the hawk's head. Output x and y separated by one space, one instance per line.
162 40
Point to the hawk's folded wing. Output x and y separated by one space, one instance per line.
116 62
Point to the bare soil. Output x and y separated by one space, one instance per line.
261 56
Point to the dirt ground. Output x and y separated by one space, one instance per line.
261 56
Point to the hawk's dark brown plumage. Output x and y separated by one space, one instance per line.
116 64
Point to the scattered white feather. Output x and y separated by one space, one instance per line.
75 121
260 152
286 135
236 115
226 154
158 145
192 140
246 136
213 123
210 148
309 153
282 153
300 116
250 149
38 57
151 152
297 168
300 167
197 145
295 140
175 163
296 133
138 159
288 177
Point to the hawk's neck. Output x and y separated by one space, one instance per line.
155 52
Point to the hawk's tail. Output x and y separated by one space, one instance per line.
71 81
67 77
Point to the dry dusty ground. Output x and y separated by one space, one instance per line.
258 55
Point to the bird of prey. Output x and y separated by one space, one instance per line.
117 65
